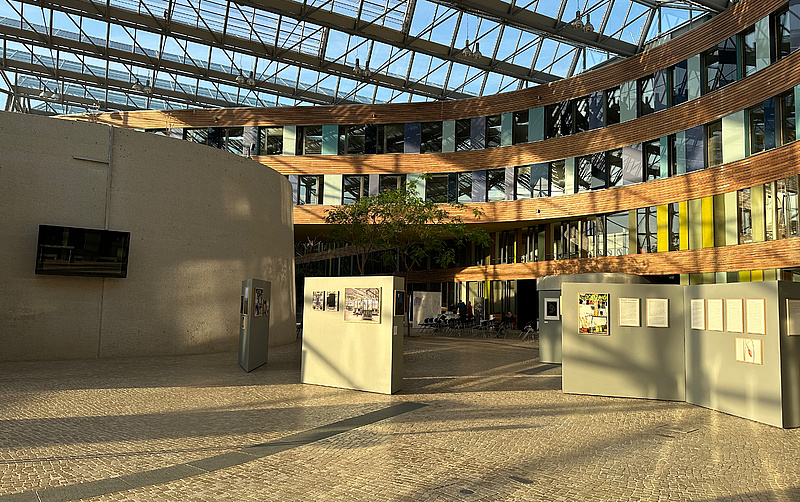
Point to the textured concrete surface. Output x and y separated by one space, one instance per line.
495 427
201 221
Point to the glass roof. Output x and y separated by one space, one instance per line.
77 55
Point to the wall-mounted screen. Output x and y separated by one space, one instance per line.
82 251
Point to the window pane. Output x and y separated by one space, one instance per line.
312 140
714 141
431 137
673 226
583 173
557 178
495 184
464 187
539 180
390 138
270 140
652 160
196 135
436 188
355 139
523 183
647 229
612 106
463 131
392 181
783 35
646 87
521 119
745 217
309 190
749 51
493 131
680 90
787 118
581 114
719 65
354 188
233 140
617 233
757 133
614 167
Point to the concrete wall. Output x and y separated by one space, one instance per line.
348 354
716 380
644 362
201 221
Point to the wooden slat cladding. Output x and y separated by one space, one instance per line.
732 98
725 25
765 255
751 171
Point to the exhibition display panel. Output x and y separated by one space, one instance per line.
353 332
254 323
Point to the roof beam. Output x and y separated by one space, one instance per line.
524 19
46 72
127 57
399 39
209 38
715 5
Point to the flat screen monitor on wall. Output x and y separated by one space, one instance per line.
82 252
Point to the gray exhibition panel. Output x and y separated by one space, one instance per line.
549 329
254 323
631 361
345 347
721 374
549 287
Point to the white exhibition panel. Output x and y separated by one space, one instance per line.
425 304
341 349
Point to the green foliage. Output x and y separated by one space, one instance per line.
407 227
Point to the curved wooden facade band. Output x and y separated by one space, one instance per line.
768 255
732 21
752 171
735 97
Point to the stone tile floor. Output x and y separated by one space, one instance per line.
495 427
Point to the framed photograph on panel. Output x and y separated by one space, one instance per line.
658 313
756 323
734 310
317 299
593 314
629 312
258 304
332 301
362 305
793 317
399 302
715 314
748 350
551 312
698 313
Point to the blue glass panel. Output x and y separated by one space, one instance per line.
695 150
370 138
769 124
478 133
479 186
596 119
411 135
661 90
